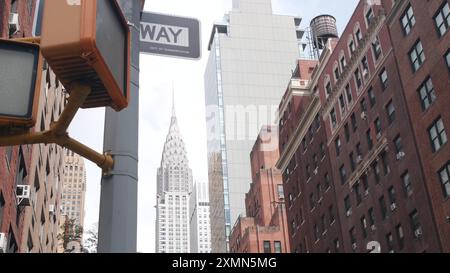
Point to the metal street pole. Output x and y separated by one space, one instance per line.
119 191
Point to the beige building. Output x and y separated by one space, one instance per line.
40 226
72 201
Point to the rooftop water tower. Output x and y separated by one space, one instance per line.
322 28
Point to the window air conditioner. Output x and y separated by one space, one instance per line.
418 233
51 209
400 155
393 206
364 116
358 159
349 212
23 194
14 26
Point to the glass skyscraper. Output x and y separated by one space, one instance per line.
252 56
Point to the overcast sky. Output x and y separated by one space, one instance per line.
158 75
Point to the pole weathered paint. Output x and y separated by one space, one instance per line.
119 191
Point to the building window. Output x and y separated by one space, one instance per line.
390 110
351 47
352 234
378 128
415 224
351 157
369 16
363 105
323 224
358 79
358 195
267 247
337 143
347 132
417 56
316 161
400 236
384 79
398 145
354 124
322 151
312 203
336 245
372 218
343 174
277 245
304 145
407 184
336 73
358 35
319 191
359 152
442 19
342 103
390 242
444 175
383 208
438 136
348 90
331 212
427 94
408 20
333 118
327 181
392 197
316 233
328 88
372 98
343 63
376 46
280 191
364 226
369 139
365 182
365 66
348 205
385 163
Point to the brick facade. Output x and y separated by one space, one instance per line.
264 230
384 172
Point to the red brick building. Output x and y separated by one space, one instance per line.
31 224
426 89
307 175
390 173
265 229
14 161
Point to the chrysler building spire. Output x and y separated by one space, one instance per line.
174 187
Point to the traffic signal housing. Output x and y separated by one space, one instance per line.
20 83
88 41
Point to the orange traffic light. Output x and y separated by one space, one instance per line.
20 83
88 41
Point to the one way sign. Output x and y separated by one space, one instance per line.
170 36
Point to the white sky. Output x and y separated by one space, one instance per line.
158 74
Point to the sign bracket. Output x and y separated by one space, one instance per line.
58 132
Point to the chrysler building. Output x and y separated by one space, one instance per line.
174 186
